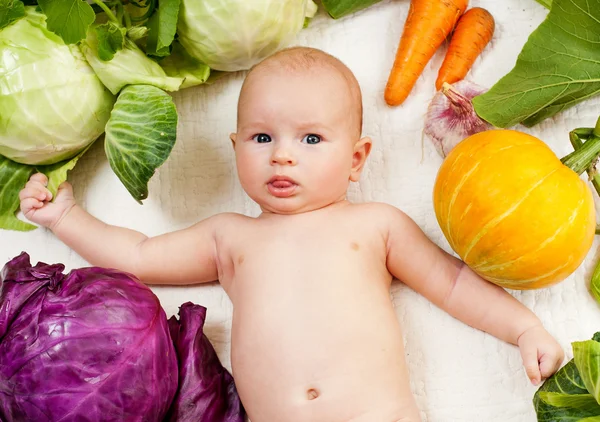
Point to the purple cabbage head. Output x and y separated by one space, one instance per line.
88 346
206 391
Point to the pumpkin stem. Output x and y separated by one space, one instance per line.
576 142
583 157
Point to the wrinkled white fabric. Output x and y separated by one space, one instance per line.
457 373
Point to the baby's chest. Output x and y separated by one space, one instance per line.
291 256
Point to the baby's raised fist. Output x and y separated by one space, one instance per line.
35 201
541 353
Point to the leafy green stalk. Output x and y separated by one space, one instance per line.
146 14
580 160
108 12
576 136
592 174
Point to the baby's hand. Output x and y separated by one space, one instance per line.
542 355
35 201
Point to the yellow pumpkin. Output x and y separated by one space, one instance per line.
512 211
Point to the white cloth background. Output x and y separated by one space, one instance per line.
457 373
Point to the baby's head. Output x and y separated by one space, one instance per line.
298 142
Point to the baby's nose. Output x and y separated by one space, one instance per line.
282 156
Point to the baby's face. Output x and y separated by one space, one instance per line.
296 139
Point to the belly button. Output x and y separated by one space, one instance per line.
312 394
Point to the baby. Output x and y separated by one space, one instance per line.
314 335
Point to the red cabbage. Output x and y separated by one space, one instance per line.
206 392
90 345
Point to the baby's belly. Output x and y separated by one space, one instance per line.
323 351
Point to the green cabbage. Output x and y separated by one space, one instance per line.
573 393
129 66
233 35
52 104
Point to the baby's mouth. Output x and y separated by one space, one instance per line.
281 187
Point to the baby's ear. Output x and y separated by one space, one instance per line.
362 149
233 136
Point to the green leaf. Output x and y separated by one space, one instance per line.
162 26
110 40
140 135
129 66
57 173
546 3
595 283
558 67
13 177
68 18
181 65
575 401
566 381
10 11
586 355
339 8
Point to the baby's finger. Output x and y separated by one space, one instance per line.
30 203
530 362
549 364
35 191
39 177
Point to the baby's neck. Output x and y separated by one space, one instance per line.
268 213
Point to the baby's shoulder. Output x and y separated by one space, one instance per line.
379 211
230 219
226 222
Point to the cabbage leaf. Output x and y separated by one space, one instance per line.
180 64
140 135
162 26
10 11
565 396
129 66
13 177
558 67
340 8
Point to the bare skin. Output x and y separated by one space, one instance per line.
314 336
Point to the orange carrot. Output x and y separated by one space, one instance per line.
473 32
428 24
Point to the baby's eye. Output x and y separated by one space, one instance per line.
311 139
262 138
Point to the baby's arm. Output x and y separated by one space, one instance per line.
454 287
186 256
